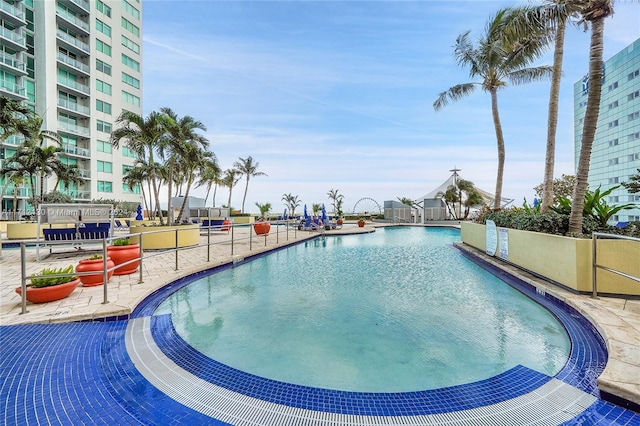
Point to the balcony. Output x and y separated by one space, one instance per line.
14 140
17 40
79 5
74 150
73 63
79 195
11 13
69 17
72 106
21 191
12 62
78 87
12 90
85 173
74 129
72 41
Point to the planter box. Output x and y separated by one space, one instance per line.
28 231
566 260
188 235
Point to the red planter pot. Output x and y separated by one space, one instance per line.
339 222
261 228
122 254
361 223
94 265
51 293
226 225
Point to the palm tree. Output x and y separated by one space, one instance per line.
209 176
229 179
501 55
137 176
334 197
406 201
178 147
13 118
195 159
292 202
143 136
35 158
67 174
593 12
249 169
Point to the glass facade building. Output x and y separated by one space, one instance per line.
77 64
616 148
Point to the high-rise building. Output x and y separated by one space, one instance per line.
77 64
616 148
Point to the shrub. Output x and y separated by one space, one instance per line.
44 281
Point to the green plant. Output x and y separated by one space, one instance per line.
264 209
95 257
42 280
121 242
595 205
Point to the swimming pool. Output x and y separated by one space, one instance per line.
395 311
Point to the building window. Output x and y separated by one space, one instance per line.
583 104
613 180
105 166
633 136
634 157
103 47
613 142
134 47
105 186
103 106
614 123
130 9
633 116
131 63
634 198
131 81
104 147
127 190
633 75
103 126
130 27
613 105
103 87
614 199
129 98
128 152
103 8
613 86
613 161
103 28
633 95
102 67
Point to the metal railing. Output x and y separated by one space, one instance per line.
142 257
597 266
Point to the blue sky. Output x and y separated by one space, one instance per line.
338 95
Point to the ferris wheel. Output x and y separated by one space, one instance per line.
366 206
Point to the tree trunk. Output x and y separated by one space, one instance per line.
246 188
186 196
500 141
552 123
590 124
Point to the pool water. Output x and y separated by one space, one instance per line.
394 311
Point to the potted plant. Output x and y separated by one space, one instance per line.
121 251
262 226
94 264
361 222
44 288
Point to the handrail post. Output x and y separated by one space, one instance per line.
233 226
265 238
208 243
23 271
105 273
594 266
250 238
140 256
176 249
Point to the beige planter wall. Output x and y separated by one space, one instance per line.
243 219
188 235
565 260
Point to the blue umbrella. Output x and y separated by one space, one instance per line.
306 215
284 215
324 214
